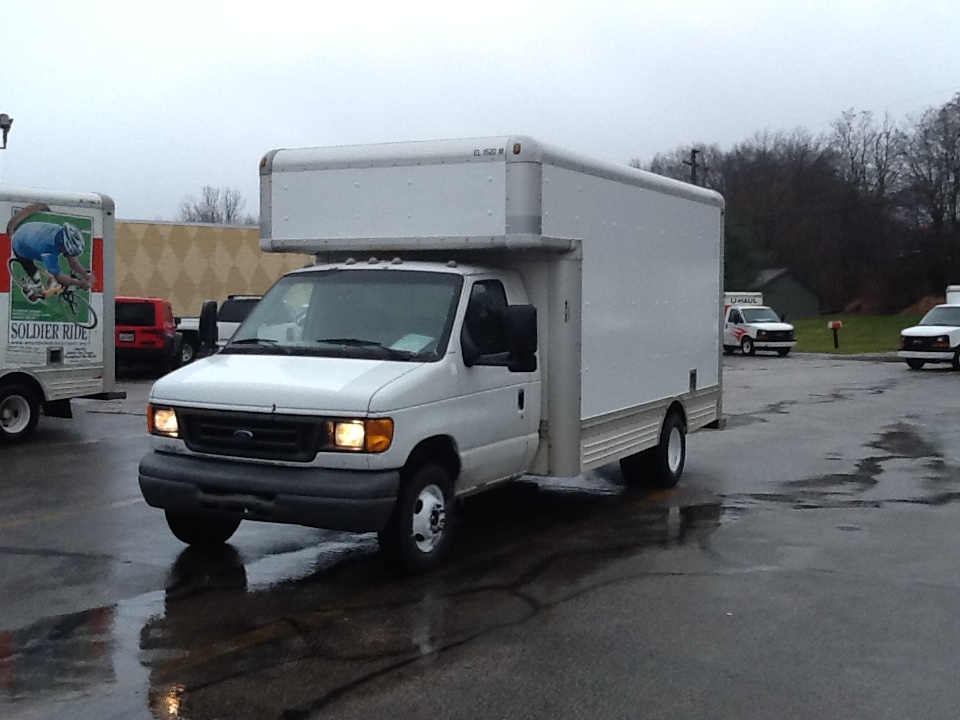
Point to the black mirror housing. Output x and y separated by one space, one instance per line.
208 326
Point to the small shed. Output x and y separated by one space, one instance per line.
787 293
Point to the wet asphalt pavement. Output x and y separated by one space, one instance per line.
805 567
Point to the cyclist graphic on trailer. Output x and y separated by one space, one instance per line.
43 243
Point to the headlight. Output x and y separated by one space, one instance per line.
761 334
942 342
372 436
162 421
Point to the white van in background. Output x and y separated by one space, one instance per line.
937 338
750 325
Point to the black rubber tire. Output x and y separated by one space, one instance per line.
636 468
783 352
16 399
670 455
188 352
202 531
420 494
728 349
747 347
955 362
915 364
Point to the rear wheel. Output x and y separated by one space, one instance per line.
19 412
188 351
915 364
201 530
670 455
747 346
420 530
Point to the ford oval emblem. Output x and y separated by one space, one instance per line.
243 436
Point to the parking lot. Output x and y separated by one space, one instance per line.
805 567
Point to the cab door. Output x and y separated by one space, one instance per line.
733 327
500 410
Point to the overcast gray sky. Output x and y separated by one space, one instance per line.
150 101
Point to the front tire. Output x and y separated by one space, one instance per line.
915 364
188 351
19 412
747 346
420 530
783 352
202 531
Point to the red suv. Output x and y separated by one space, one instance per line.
146 333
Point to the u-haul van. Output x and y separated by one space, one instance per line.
480 309
750 325
937 338
56 305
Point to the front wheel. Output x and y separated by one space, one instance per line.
19 412
76 309
420 530
782 352
747 346
188 351
203 531
915 364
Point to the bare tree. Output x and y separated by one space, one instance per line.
219 206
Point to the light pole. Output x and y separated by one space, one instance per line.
6 122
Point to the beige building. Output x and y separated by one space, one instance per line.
190 263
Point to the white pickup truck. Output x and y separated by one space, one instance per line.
937 338
480 309
230 314
750 325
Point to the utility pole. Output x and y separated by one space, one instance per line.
692 162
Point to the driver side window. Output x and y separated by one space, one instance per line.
735 316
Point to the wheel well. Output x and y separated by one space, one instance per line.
438 449
676 408
27 380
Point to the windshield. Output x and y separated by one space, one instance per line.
943 315
760 314
383 314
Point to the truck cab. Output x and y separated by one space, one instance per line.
937 338
750 325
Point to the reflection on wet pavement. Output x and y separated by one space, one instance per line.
287 635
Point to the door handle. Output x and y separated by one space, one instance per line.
520 399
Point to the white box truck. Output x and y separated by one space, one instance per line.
56 300
937 338
750 325
479 310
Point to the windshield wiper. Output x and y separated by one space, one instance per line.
260 342
372 344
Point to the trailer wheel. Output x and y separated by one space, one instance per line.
19 412
915 364
747 346
202 531
782 352
419 533
670 455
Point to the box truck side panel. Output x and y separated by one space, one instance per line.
650 287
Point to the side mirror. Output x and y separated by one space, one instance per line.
208 326
471 353
520 324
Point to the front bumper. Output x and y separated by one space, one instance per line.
773 345
350 500
930 356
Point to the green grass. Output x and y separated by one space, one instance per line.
860 333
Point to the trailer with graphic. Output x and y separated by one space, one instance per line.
56 305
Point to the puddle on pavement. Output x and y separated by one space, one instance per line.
312 624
